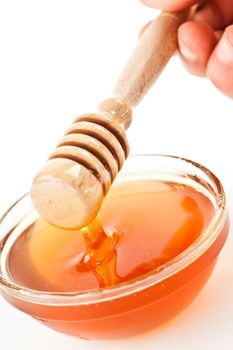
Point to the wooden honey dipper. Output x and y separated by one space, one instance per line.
69 190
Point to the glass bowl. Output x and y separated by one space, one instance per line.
135 306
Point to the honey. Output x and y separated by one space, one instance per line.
142 226
144 259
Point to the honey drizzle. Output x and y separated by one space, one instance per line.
100 257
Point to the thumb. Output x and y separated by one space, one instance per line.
170 5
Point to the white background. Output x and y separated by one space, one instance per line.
59 59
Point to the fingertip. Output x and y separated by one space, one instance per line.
224 50
196 43
220 66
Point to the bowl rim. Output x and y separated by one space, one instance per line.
172 267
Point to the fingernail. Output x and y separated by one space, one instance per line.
225 50
188 54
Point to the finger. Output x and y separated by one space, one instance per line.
196 43
218 14
220 66
170 5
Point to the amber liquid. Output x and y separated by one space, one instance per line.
142 226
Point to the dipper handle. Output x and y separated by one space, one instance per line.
156 46
69 190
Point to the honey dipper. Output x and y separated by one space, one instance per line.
69 190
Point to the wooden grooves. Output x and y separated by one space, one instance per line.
97 143
88 160
80 161
101 134
108 124
95 147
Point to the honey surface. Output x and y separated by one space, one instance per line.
142 225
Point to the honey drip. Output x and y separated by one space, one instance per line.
100 254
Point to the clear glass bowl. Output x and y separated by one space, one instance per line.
132 307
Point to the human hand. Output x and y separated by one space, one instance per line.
206 42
